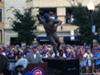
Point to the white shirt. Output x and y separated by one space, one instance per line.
87 59
34 56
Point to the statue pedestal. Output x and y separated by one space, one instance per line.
62 66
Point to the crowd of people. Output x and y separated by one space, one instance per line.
89 57
46 51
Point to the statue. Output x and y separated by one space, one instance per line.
50 23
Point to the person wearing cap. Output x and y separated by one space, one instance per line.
34 56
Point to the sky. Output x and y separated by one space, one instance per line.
10 5
20 4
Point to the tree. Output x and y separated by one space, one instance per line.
82 19
96 16
24 25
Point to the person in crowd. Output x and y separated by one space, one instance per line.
61 54
21 64
26 50
4 61
10 53
97 59
50 53
3 52
43 51
69 52
82 60
88 56
50 23
34 56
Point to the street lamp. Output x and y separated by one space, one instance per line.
91 8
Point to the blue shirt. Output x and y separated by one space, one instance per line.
28 73
97 55
23 62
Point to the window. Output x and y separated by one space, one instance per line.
69 15
46 10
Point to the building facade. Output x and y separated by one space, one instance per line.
61 7
63 11
10 6
1 21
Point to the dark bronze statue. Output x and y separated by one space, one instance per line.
50 23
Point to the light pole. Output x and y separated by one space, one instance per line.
91 8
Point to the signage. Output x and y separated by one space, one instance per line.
37 71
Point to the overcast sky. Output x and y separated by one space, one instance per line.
10 5
20 4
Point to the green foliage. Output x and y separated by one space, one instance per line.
96 17
24 25
83 20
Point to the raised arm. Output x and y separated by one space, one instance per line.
41 19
